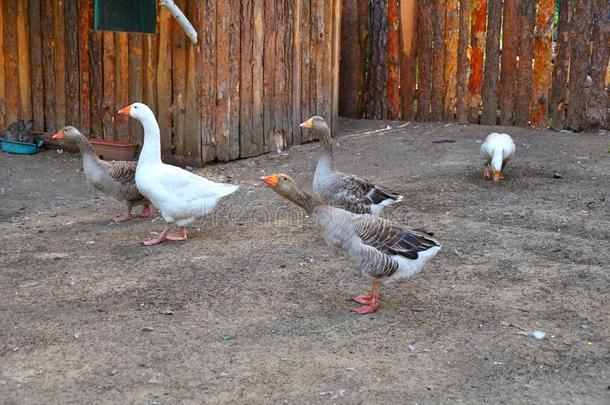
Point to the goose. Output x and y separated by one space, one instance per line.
343 190
497 150
383 251
181 196
116 178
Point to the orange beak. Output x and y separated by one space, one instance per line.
271 181
497 176
58 135
307 124
125 111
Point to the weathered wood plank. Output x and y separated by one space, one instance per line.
543 66
438 60
84 25
109 72
11 66
336 45
179 84
393 62
246 100
451 58
326 85
72 64
207 87
223 98
25 89
279 99
258 46
492 63
296 73
462 67
289 15
234 70
596 106
150 71
121 97
60 63
96 77
424 60
35 47
477 45
408 57
527 20
377 85
351 69
508 70
313 60
192 124
363 39
306 109
3 123
136 90
269 76
559 89
164 78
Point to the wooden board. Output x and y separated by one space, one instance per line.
149 73
25 89
96 76
121 96
83 59
109 72
136 90
192 124
424 60
559 88
269 66
508 70
462 64
351 68
246 96
492 63
377 100
280 140
306 109
527 19
543 66
596 110
438 60
11 59
363 39
164 79
59 27
297 134
179 84
72 64
451 58
35 67
477 46
408 57
393 56
3 123
336 52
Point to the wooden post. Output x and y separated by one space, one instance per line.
351 69
475 83
377 86
207 88
543 67
508 72
463 59
258 103
35 47
192 123
424 60
3 123
11 67
59 28
109 72
364 11
296 74
164 78
178 49
84 28
451 58
246 99
492 63
96 76
279 101
121 97
527 20
559 87
269 76
596 108
408 57
306 109
72 64
438 60
579 65
393 62
336 45
25 89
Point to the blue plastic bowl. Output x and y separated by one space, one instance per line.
21 148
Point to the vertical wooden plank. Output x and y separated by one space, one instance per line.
25 90
317 45
451 58
543 66
326 85
11 68
136 90
492 63
192 125
438 60
72 64
377 86
408 57
477 45
96 77
246 100
60 62
527 20
508 71
109 67
364 11
424 60
223 98
306 110
207 86
149 74
279 101
336 39
313 59
596 104
462 67
269 75
3 123
296 73
35 47
579 65
351 69
233 37
393 62
84 25
258 46
164 78
121 88
561 66
178 85
289 14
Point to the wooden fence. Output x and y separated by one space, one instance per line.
260 68
512 62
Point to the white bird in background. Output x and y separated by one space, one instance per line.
497 150
181 196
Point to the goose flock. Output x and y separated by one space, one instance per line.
346 208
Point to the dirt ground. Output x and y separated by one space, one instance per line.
255 308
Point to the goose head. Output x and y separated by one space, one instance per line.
68 132
139 111
315 123
281 184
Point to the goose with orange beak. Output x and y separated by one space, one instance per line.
497 150
181 196
383 251
116 178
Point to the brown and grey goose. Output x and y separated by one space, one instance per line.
383 251
340 189
116 178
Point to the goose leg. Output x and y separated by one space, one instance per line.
147 211
181 235
124 218
155 241
486 175
373 304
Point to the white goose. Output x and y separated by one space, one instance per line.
181 196
497 150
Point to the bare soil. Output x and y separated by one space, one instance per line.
255 308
